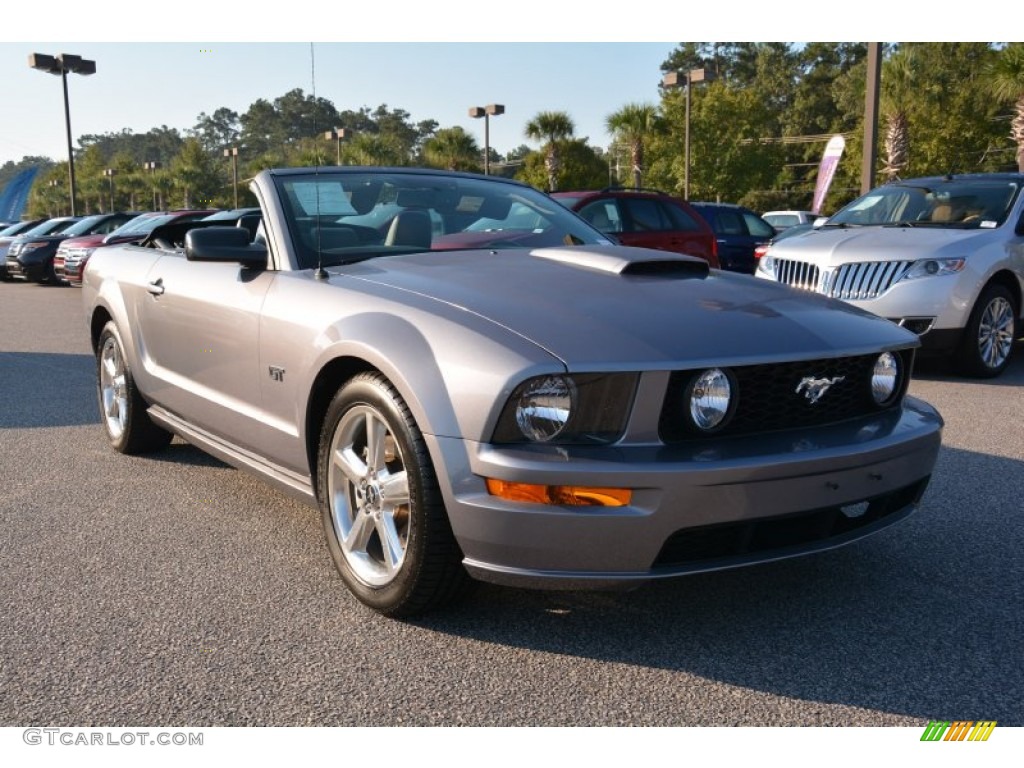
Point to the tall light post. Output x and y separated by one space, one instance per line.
53 184
61 64
109 173
233 154
338 134
686 80
151 166
485 113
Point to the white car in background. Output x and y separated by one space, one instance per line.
785 219
941 256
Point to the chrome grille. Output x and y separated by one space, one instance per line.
850 282
798 274
864 280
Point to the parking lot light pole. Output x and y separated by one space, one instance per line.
672 80
61 64
485 113
54 183
109 173
233 154
337 134
151 166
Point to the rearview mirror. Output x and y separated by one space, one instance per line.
224 244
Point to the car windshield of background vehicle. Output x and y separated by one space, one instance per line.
51 227
336 219
962 204
85 226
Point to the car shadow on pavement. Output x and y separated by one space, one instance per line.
924 619
46 389
935 368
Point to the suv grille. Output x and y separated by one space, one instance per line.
798 274
865 280
766 397
858 281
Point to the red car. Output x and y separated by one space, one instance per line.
74 252
646 219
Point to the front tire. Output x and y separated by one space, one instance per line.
383 515
122 409
987 343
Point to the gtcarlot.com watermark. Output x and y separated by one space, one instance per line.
82 737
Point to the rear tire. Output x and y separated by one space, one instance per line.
384 519
987 342
122 409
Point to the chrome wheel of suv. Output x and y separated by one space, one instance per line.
995 332
987 343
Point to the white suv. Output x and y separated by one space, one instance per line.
942 256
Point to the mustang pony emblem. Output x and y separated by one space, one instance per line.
813 389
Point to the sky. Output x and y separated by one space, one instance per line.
436 60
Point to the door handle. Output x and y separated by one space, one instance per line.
156 287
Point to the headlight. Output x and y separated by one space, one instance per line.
885 378
583 408
934 268
710 398
544 407
766 265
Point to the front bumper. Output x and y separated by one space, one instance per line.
713 505
34 269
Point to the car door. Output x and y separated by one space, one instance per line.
199 327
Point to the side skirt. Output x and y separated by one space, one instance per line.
292 483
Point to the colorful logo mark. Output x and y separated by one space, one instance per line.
959 730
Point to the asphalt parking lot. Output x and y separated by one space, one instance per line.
175 590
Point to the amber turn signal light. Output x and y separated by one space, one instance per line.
567 495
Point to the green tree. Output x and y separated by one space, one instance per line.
372 149
218 131
580 167
634 125
198 179
728 156
551 128
1005 82
49 196
899 81
453 149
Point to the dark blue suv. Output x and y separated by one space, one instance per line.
738 231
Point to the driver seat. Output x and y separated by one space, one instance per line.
411 227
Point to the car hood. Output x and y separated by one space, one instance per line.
83 241
834 246
585 305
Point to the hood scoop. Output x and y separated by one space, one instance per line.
623 260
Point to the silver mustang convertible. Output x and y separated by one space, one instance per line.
470 381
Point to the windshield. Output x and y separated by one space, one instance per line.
142 225
15 229
955 204
86 226
340 218
51 227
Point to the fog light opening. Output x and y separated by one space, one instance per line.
853 511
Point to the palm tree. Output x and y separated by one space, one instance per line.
633 125
452 149
551 127
899 76
1005 79
372 149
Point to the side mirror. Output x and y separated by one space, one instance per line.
224 244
